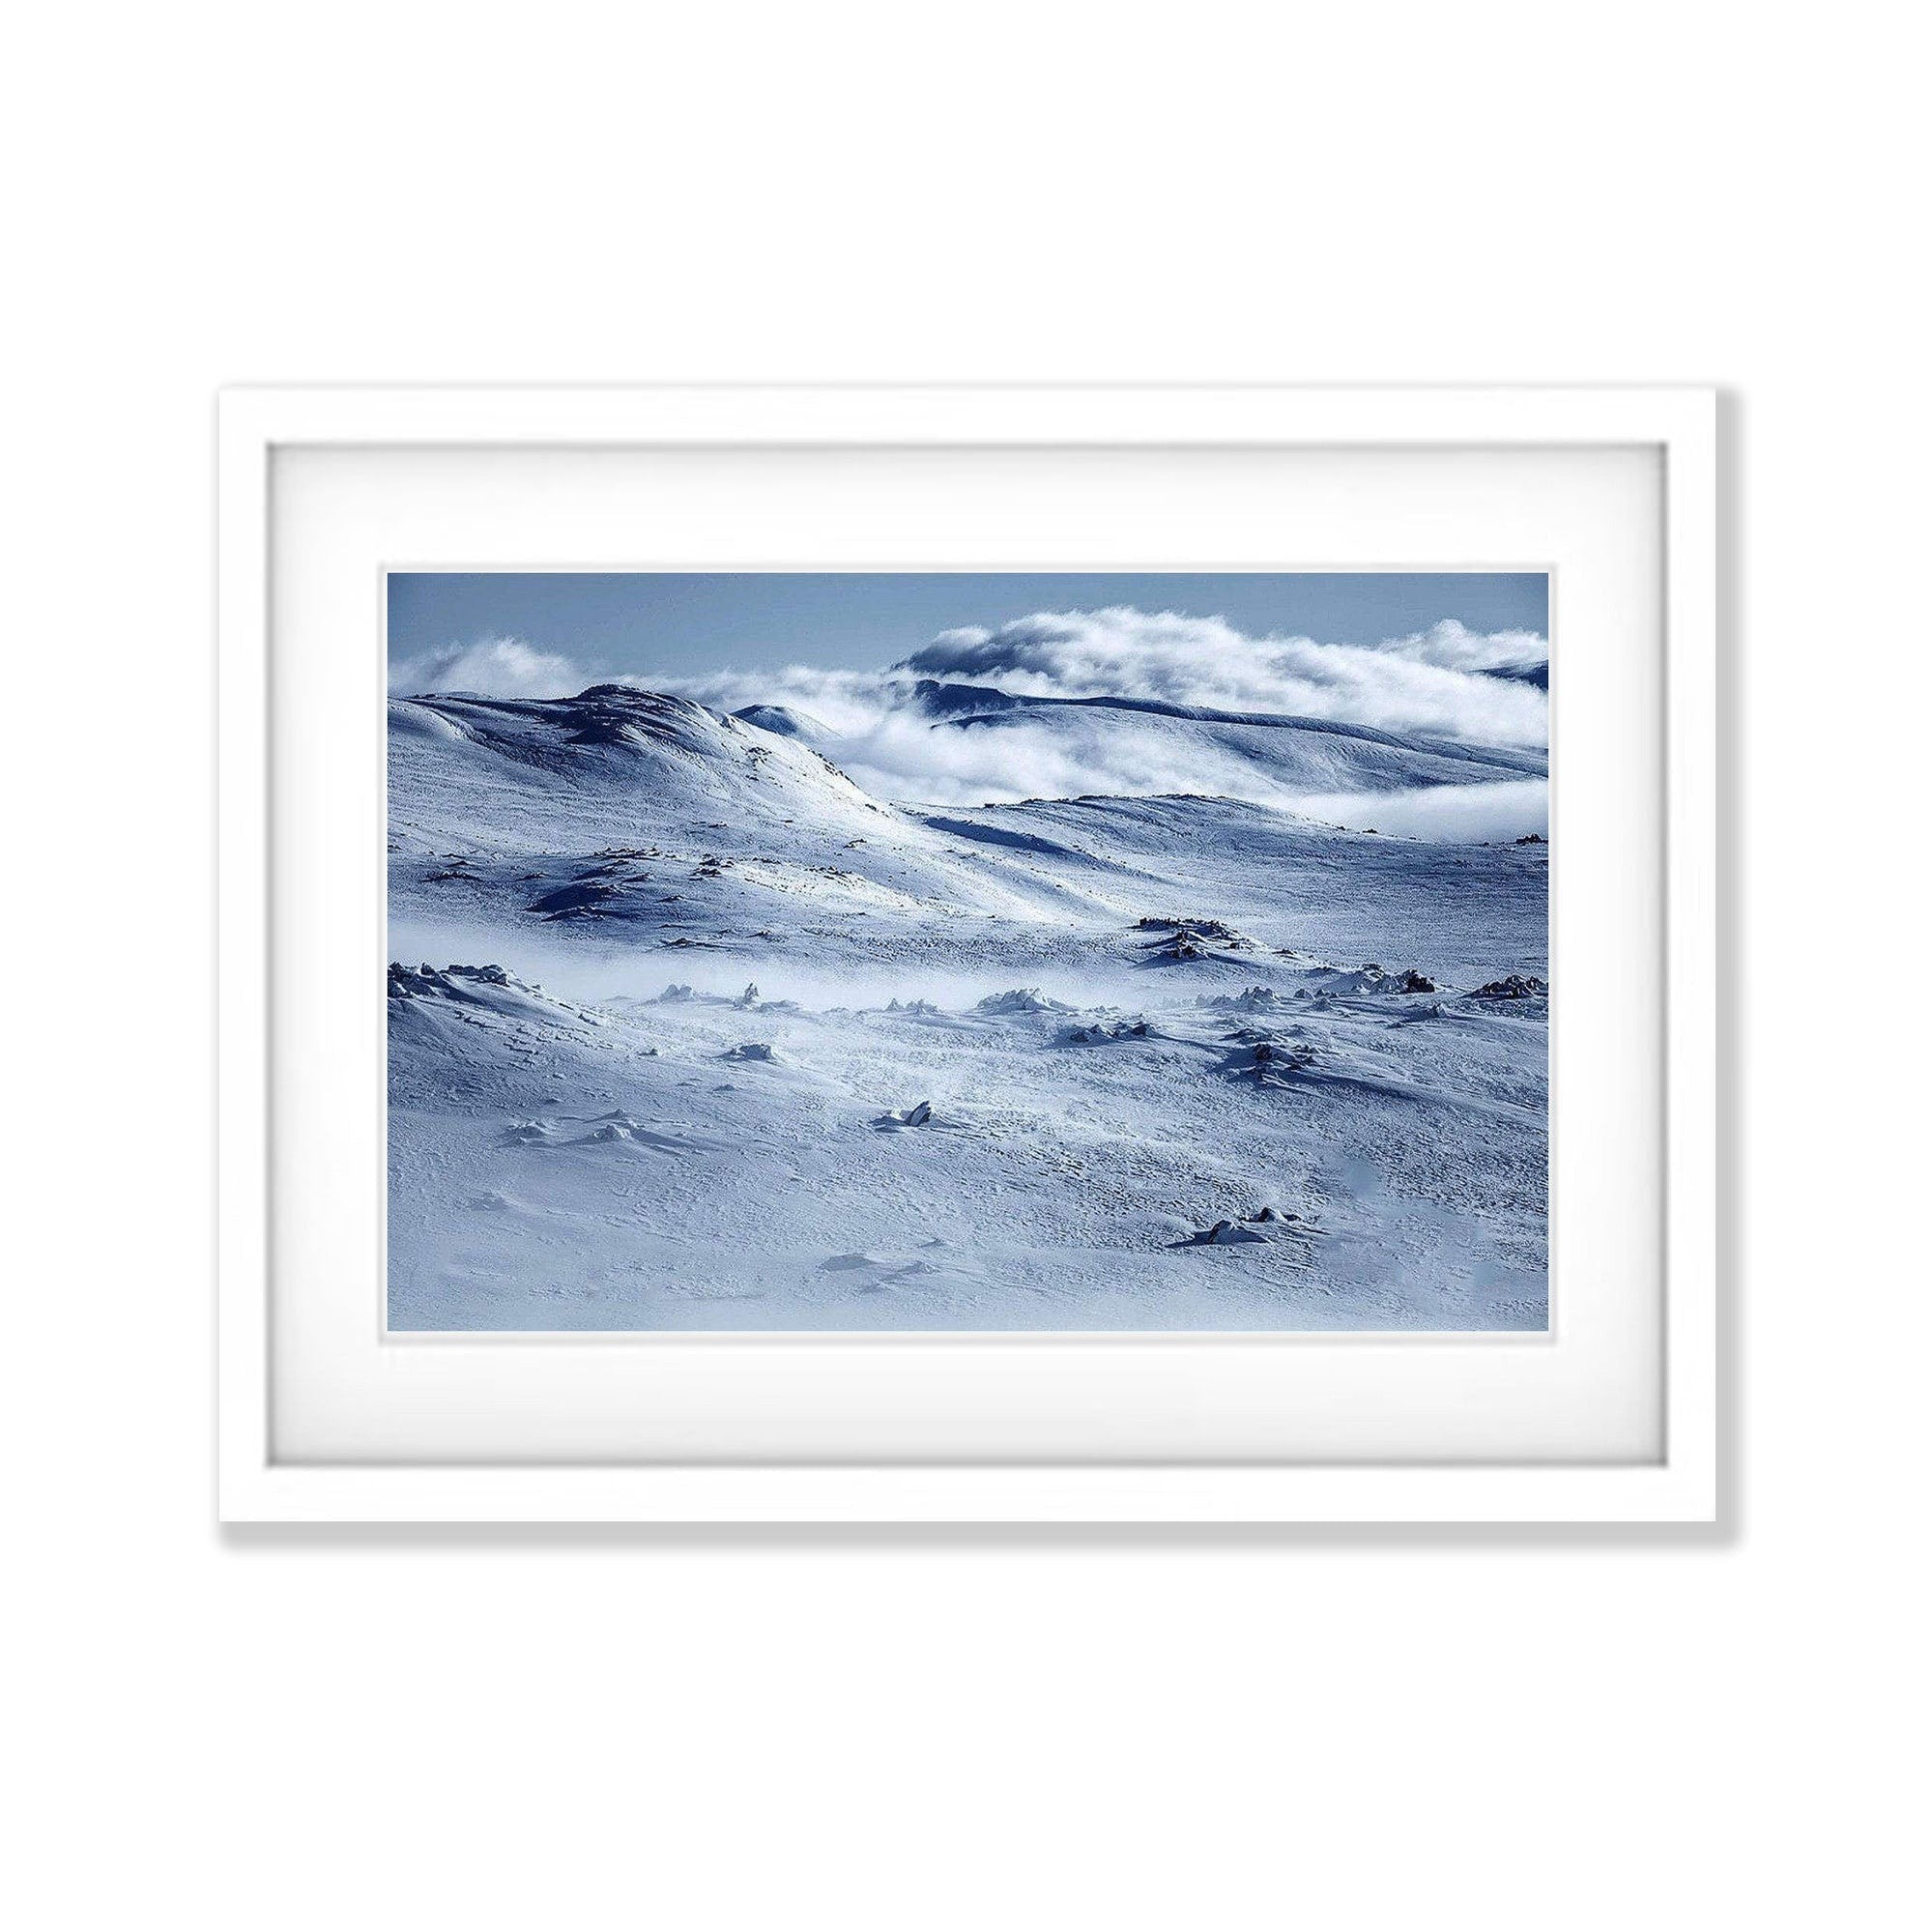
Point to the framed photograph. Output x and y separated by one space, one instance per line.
967 955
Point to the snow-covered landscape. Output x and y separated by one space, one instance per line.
877 1012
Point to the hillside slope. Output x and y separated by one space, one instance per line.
1288 754
623 820
812 1060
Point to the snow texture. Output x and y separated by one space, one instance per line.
720 1039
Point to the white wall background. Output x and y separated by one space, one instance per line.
1334 1730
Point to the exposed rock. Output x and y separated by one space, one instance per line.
1021 1000
1512 986
1250 999
1268 1062
452 981
1209 932
1223 1235
1098 1031
1193 939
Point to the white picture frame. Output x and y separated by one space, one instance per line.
1677 1483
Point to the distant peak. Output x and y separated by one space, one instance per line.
783 721
950 699
625 692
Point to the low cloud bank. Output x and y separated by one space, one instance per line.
1434 684
1486 814
1431 682
495 667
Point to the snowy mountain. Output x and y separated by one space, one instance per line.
1315 754
785 721
998 742
1537 675
731 1042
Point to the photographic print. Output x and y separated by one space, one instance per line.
867 952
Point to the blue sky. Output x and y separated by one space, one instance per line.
639 622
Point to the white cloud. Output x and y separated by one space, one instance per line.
878 734
1456 647
497 667
1490 813
1430 684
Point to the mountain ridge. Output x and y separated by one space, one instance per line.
953 700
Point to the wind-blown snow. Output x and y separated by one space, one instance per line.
969 743
713 1036
497 667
